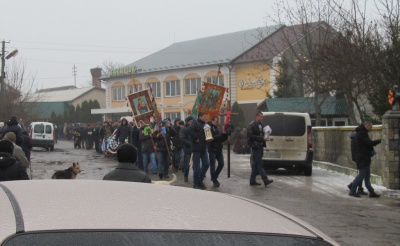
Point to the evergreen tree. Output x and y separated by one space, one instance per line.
53 117
237 118
79 114
284 87
96 117
72 117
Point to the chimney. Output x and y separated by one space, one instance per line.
96 75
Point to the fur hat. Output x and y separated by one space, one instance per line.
189 118
126 153
6 146
12 121
10 136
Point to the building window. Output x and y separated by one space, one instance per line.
191 86
173 88
213 80
173 116
119 93
134 88
156 88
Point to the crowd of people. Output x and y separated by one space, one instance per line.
146 149
15 151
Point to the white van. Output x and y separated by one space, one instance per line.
290 145
42 135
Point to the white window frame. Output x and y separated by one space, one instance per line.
173 115
191 86
118 93
131 88
345 120
156 88
172 88
213 80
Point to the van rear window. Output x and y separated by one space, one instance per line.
286 125
38 129
48 129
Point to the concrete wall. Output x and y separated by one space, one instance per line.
332 144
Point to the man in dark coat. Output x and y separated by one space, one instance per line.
353 142
199 150
148 150
364 151
123 131
135 140
13 126
126 169
26 145
163 144
187 147
10 168
214 148
256 141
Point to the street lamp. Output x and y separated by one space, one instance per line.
3 76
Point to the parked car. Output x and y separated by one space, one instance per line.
42 135
98 212
290 145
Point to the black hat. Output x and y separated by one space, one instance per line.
126 153
6 146
189 118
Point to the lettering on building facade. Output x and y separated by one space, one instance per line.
249 84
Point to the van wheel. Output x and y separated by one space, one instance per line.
308 171
51 147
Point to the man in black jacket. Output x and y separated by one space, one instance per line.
13 126
256 140
214 148
126 169
163 144
187 147
10 168
199 150
364 151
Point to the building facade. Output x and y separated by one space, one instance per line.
245 62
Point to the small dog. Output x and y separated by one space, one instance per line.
162 182
69 173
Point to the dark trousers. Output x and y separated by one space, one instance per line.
219 157
258 165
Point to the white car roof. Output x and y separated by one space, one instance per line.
99 204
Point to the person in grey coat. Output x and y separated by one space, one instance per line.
126 169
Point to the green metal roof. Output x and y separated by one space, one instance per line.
331 105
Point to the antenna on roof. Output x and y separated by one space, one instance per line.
74 73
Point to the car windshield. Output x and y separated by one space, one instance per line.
99 237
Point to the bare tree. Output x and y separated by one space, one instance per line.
308 29
20 100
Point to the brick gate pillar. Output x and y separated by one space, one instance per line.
390 146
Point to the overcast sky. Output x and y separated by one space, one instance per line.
53 36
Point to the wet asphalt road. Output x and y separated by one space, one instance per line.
322 200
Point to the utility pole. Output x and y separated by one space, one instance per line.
3 60
74 73
3 78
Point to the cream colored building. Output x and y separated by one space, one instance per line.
246 59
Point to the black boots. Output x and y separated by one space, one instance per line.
361 191
252 183
267 182
161 175
216 183
354 194
372 194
